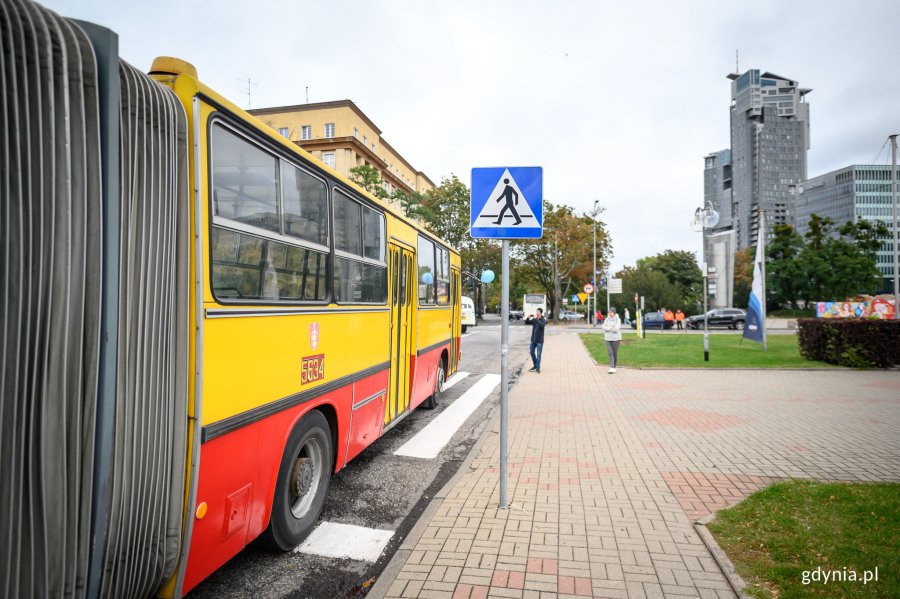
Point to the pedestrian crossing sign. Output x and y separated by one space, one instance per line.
507 203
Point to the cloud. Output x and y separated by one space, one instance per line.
619 102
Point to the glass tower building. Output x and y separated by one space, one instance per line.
769 143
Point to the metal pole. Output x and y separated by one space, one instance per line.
705 313
504 376
896 250
594 272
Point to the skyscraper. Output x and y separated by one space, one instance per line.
769 142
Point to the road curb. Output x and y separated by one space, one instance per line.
737 583
395 565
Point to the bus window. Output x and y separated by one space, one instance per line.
373 236
443 276
305 211
245 181
426 271
248 264
359 275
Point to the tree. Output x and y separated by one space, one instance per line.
785 277
842 264
368 177
681 269
562 260
654 286
413 204
447 207
743 276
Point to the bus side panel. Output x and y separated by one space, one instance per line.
425 368
367 418
238 488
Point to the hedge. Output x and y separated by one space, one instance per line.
853 342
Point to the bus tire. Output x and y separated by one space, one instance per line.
435 398
303 479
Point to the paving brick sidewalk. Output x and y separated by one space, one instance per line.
607 474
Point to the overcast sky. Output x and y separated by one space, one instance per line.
618 102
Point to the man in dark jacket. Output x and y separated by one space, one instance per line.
538 322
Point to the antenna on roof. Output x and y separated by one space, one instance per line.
248 89
737 68
307 94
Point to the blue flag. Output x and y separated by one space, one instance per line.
755 327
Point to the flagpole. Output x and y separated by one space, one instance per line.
762 268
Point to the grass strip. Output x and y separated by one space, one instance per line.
673 349
803 538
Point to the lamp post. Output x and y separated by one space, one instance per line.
594 271
705 218
896 233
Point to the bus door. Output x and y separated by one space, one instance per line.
455 326
402 297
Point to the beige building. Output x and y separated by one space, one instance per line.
340 135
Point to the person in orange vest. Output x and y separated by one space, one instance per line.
669 316
679 319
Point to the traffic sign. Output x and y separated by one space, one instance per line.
507 203
615 286
589 288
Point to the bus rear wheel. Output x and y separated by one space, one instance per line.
435 398
303 479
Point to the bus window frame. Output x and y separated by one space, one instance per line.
256 139
434 305
336 253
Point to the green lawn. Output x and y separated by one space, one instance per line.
795 532
673 349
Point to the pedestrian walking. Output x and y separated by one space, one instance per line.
679 319
612 334
537 322
669 317
627 320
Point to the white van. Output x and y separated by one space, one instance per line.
467 308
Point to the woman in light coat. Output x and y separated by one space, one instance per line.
612 333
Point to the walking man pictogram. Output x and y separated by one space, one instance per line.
508 193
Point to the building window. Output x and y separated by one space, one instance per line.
328 158
355 133
365 141
329 130
306 132
283 132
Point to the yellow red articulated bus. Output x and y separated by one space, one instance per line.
202 323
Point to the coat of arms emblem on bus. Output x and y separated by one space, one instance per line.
314 335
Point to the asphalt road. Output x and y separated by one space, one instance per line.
377 490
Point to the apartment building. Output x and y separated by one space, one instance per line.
341 135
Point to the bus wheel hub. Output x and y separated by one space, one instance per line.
304 470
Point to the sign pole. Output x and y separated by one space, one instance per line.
521 216
504 376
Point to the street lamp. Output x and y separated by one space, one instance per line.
594 272
705 218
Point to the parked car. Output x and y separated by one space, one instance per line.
732 318
654 320
516 314
570 315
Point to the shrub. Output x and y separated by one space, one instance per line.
852 342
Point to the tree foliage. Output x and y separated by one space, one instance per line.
681 270
653 285
828 265
743 276
368 177
561 261
785 282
